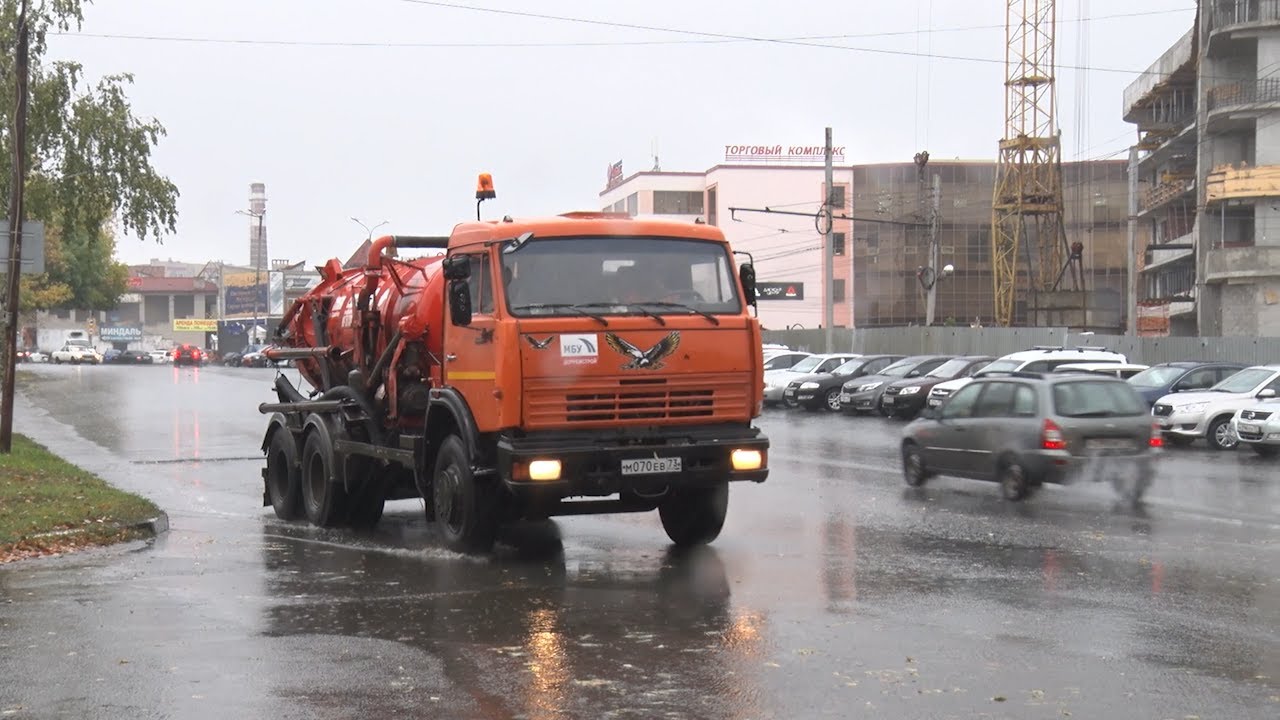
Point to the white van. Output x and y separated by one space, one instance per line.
1040 359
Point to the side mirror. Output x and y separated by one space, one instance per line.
460 302
1266 394
457 267
747 273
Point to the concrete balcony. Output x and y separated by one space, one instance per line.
1251 97
1242 183
1166 192
1232 16
1242 264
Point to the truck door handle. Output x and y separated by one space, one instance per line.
450 357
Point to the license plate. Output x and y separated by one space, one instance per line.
888 400
1108 444
846 397
1249 428
934 402
789 393
650 466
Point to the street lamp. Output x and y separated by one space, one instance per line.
366 227
257 269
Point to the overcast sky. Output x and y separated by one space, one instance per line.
399 133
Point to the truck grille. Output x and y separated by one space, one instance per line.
1254 415
559 403
1162 410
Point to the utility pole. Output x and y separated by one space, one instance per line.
257 269
828 258
15 230
935 208
1131 289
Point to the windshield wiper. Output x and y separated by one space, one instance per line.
692 310
1093 414
630 306
563 306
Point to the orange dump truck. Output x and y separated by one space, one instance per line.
584 363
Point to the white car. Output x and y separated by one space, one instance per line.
160 356
1124 371
1258 427
1036 360
783 360
77 354
776 381
1187 416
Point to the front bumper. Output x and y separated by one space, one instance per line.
773 394
591 463
903 405
860 402
1188 425
1257 432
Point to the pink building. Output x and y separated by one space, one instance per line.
787 248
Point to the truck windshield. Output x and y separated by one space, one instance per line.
619 276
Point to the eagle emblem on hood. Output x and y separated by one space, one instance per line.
651 359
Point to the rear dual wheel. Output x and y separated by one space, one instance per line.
332 495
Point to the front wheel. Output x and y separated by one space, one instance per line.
1220 435
466 510
695 516
832 400
913 469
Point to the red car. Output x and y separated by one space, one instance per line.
188 355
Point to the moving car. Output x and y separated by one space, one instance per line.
1026 429
1188 376
1040 359
1257 426
160 356
776 381
134 357
862 395
76 355
187 354
907 398
1122 371
32 356
815 392
1188 416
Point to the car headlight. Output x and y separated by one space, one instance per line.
809 386
1191 408
869 386
909 390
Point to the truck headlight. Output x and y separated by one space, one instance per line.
746 459
809 386
544 470
909 390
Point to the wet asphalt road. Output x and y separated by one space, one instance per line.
834 590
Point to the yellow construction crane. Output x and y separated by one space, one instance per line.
1026 208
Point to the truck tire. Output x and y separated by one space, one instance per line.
284 477
694 516
466 511
368 496
323 499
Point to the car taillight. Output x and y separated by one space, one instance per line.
1157 439
1051 437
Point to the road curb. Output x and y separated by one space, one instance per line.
156 525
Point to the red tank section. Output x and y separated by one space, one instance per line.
363 310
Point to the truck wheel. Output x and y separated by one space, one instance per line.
695 516
284 478
323 499
466 511
369 495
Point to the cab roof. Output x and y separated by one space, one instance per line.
582 223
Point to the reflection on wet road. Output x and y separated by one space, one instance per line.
834 591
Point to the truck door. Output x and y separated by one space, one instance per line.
470 356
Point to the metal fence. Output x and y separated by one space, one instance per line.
1002 341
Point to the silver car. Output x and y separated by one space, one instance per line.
1028 429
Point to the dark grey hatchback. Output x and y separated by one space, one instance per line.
1026 429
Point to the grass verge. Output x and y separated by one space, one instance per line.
48 506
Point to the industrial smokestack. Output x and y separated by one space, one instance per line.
257 225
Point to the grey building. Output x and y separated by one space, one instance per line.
1207 168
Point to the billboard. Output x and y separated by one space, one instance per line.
780 291
245 293
275 293
194 325
120 333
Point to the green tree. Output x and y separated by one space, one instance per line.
90 166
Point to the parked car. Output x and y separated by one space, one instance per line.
134 357
776 381
1041 359
1024 429
862 395
77 355
1257 426
906 398
1189 376
822 390
784 360
110 355
1188 416
187 354
161 356
1121 371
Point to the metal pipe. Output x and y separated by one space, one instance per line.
301 407
300 353
383 361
